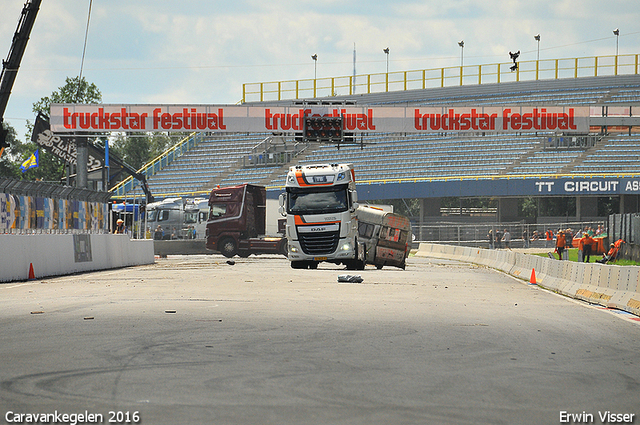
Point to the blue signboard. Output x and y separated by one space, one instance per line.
499 187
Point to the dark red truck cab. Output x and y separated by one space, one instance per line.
237 222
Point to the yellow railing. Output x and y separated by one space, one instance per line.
545 69
155 165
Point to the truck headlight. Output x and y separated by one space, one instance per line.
341 176
346 246
293 248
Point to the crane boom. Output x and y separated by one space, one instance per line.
11 65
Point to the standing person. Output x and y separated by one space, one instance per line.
568 238
587 244
119 226
158 234
506 237
525 238
490 236
549 235
498 239
560 244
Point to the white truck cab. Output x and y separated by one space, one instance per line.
320 205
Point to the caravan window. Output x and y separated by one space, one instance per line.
365 230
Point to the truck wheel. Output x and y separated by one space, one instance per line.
313 265
379 266
244 254
298 265
228 247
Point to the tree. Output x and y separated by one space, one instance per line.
9 167
74 91
50 167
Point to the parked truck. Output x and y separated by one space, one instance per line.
237 221
178 218
320 203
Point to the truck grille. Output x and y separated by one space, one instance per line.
319 243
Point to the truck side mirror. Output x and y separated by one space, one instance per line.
354 200
282 199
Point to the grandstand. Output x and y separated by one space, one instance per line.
400 165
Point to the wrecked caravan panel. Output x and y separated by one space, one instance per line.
387 236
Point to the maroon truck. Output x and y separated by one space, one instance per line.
236 224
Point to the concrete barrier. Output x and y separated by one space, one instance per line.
58 254
181 247
607 285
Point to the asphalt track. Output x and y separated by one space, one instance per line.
195 340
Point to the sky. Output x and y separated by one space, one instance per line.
202 51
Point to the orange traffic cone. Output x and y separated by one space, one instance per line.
32 275
532 280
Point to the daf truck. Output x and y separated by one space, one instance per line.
320 203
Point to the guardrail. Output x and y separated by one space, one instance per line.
544 69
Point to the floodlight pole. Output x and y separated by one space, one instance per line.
386 52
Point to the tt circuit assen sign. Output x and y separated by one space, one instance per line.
71 118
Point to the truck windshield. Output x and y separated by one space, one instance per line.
191 217
317 200
217 210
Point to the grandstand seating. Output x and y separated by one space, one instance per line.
218 159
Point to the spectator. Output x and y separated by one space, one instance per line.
506 237
147 234
568 238
491 241
498 239
525 238
158 235
119 226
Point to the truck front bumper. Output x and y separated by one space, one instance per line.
345 251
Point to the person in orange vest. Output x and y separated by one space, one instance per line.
549 235
587 243
560 244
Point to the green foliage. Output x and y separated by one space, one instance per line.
528 207
74 91
139 148
50 168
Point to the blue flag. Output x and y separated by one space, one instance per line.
31 162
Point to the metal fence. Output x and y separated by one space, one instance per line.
533 70
625 227
522 234
34 207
